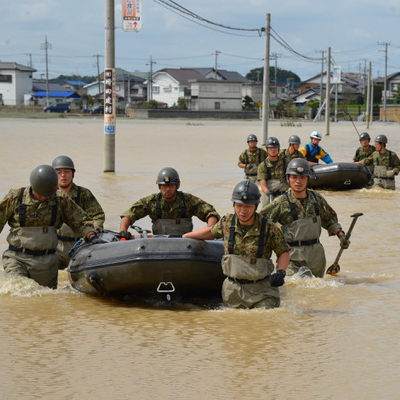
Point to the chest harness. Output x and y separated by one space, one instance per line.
182 207
22 221
295 215
247 159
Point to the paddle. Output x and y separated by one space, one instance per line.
335 267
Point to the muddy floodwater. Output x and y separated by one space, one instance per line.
332 338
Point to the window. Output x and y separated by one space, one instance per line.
156 89
6 78
217 105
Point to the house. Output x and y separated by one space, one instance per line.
348 88
15 81
202 88
75 86
129 87
57 93
392 85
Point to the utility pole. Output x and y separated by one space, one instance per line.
30 65
368 110
46 46
328 91
386 44
275 57
110 115
98 71
216 54
321 85
150 80
266 81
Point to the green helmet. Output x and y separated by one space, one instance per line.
298 166
44 180
168 176
294 139
365 135
252 138
381 139
246 192
273 142
63 162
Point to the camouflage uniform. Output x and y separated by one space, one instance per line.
241 289
289 157
274 174
302 234
253 158
66 237
171 217
33 237
382 163
361 153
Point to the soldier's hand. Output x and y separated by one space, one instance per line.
390 174
125 234
278 278
344 243
96 240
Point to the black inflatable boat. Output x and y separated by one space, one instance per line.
148 266
340 176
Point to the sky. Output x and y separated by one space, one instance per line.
355 30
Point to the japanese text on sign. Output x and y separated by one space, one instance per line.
132 15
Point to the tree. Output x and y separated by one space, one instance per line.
282 75
248 103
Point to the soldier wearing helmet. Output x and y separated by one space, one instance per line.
251 158
34 213
83 197
249 239
293 149
302 213
366 149
271 172
385 164
313 152
170 210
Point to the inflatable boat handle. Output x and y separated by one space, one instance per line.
166 287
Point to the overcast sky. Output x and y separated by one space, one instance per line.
356 31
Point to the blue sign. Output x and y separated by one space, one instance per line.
109 129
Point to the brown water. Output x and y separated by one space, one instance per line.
333 338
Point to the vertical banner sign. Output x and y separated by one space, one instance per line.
131 15
109 101
337 74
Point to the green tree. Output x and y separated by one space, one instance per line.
282 75
248 103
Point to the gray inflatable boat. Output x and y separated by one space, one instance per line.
147 266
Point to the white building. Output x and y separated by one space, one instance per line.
15 82
203 89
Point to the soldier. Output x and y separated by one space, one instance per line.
251 158
171 211
313 152
271 172
293 150
34 214
302 213
366 149
385 163
83 197
249 240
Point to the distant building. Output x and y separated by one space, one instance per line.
203 89
392 85
15 81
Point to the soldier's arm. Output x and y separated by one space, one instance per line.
138 210
329 219
94 209
75 217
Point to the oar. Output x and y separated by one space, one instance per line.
335 267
